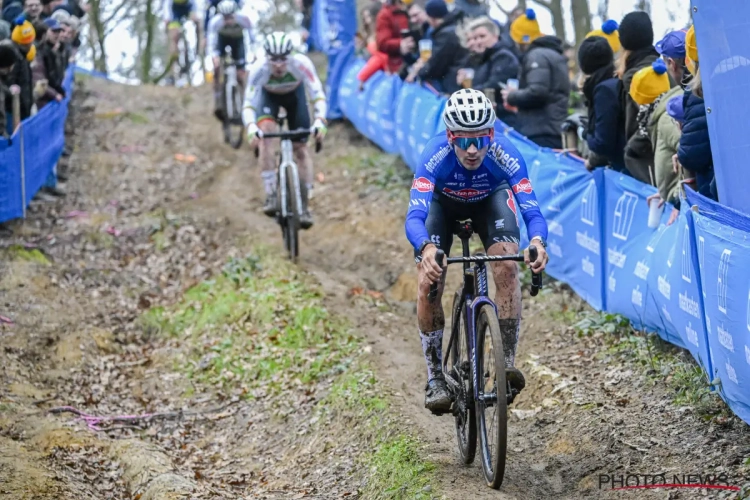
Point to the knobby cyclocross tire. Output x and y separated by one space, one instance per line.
232 115
466 418
184 60
290 223
492 418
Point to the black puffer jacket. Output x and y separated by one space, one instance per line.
497 64
447 55
635 62
21 76
542 100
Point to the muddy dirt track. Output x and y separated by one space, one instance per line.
589 410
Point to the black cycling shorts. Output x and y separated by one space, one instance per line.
295 104
494 219
233 37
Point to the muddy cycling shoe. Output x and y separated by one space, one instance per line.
436 396
305 219
515 378
270 207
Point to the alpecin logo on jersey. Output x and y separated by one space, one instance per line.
512 203
423 185
466 194
510 164
524 185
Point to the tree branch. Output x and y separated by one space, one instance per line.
502 9
547 4
118 9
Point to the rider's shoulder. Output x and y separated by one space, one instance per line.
504 154
436 151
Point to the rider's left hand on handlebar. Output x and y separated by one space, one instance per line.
541 260
319 129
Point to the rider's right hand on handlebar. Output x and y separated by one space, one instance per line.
254 135
430 266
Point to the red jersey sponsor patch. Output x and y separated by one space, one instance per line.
524 185
423 185
466 193
512 203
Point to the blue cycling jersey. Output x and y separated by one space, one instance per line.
440 170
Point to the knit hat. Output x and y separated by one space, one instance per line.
675 109
8 55
594 53
4 30
672 45
23 33
649 83
12 11
609 32
436 9
691 48
525 29
636 31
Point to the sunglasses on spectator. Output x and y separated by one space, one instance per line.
466 142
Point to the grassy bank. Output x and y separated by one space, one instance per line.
260 329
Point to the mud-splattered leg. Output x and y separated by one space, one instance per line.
507 298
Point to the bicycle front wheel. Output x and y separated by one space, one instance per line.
460 369
290 223
492 404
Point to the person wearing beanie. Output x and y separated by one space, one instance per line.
544 85
46 66
605 131
609 32
637 40
658 136
441 68
525 29
694 152
22 37
389 23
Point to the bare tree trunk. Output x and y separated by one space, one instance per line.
644 5
148 49
603 10
96 24
558 20
581 19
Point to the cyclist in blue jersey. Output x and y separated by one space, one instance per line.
469 173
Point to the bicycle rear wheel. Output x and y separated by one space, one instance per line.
492 405
233 128
460 369
290 223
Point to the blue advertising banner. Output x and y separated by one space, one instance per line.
725 279
404 115
724 54
11 201
333 26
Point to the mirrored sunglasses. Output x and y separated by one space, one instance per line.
466 142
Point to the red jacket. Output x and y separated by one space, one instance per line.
388 25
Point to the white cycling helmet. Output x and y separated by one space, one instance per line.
227 7
468 110
278 44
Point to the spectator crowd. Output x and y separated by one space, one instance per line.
38 41
645 116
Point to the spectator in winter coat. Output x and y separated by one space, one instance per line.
495 64
447 52
23 36
542 99
609 32
694 152
46 65
637 39
647 90
605 132
8 58
389 24
4 30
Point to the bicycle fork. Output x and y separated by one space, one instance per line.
287 167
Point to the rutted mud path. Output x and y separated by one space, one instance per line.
582 414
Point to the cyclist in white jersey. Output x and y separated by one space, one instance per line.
280 80
227 29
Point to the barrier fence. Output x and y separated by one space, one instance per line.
686 281
28 158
